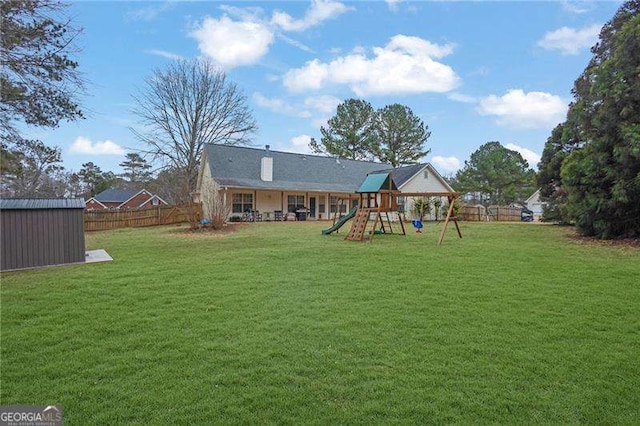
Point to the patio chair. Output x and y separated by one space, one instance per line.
277 215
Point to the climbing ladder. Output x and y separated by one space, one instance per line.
359 225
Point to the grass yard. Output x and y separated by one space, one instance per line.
275 323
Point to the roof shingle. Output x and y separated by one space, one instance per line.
116 195
240 167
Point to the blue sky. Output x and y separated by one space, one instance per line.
473 71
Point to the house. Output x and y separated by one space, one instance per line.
273 181
534 204
122 199
37 232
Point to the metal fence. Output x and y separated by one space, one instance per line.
100 220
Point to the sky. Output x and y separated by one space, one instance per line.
474 72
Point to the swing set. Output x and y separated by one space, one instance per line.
378 198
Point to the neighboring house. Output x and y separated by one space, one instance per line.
122 199
270 181
421 178
534 204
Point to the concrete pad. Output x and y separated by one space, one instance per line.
93 256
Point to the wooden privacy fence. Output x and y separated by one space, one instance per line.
473 213
504 214
100 220
490 214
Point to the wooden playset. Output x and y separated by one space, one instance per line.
377 200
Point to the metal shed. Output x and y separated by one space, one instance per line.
41 232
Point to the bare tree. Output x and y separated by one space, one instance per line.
188 104
214 207
29 169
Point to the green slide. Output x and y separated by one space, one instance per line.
341 222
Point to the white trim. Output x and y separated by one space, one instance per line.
134 196
151 198
537 193
93 198
204 161
434 172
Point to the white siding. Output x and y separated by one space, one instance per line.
535 205
425 181
269 201
207 188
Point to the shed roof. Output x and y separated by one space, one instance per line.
374 182
239 167
41 203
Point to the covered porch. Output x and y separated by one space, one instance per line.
272 205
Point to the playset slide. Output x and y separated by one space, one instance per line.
341 222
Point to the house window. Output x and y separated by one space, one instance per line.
333 204
401 203
426 174
155 201
322 204
294 202
242 203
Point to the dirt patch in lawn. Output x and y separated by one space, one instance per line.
207 231
628 243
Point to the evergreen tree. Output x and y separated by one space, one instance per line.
500 175
38 80
350 133
137 172
401 135
95 180
601 174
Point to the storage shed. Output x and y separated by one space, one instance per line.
41 232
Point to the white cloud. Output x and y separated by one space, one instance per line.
325 104
320 10
460 97
524 110
164 54
152 12
271 103
83 145
449 164
405 65
310 77
480 71
393 4
232 43
569 41
300 144
244 13
280 106
532 157
419 47
295 43
575 7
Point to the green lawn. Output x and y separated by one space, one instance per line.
515 323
